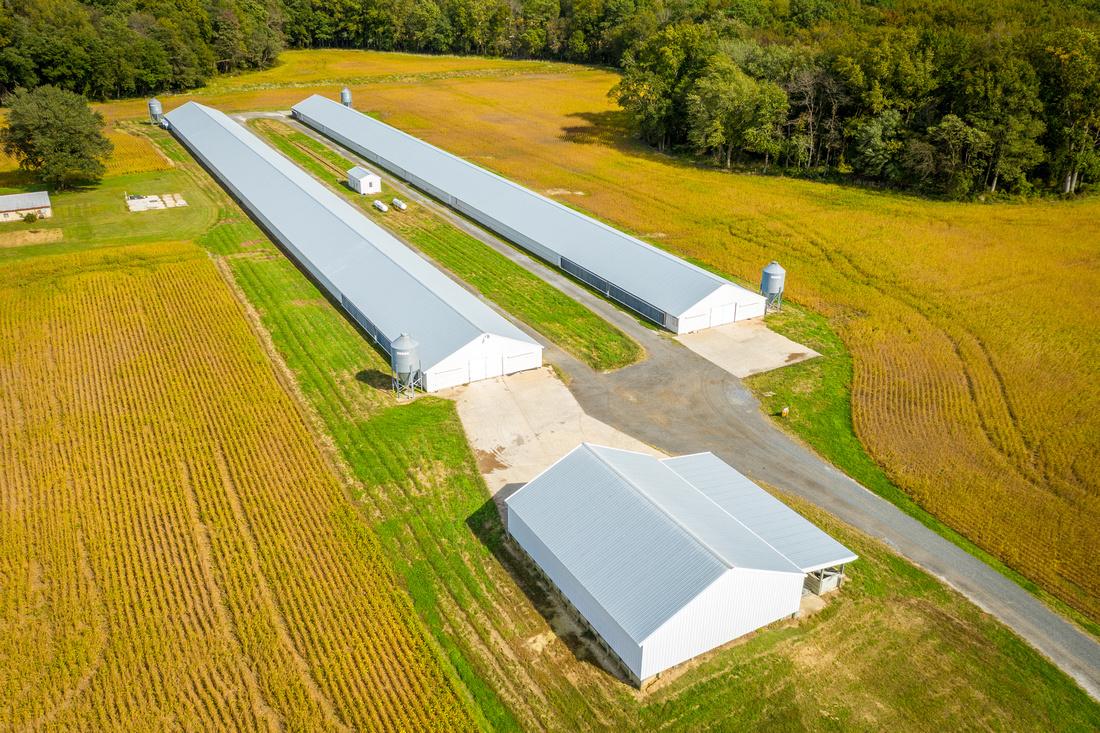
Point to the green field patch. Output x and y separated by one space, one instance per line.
97 216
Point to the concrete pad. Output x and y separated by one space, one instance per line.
810 604
138 203
520 424
746 347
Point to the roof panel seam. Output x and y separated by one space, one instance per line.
664 512
344 223
750 530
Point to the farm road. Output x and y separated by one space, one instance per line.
679 402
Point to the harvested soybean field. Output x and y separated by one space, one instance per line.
175 550
971 326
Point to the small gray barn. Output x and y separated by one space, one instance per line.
16 206
666 559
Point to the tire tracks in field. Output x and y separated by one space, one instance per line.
201 534
70 696
1024 466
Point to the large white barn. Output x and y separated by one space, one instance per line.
661 287
383 285
667 559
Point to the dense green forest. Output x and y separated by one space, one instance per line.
950 97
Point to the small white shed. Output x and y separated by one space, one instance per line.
362 180
666 559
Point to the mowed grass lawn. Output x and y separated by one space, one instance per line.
555 315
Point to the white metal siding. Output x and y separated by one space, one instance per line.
740 601
19 214
654 552
613 634
726 305
484 358
387 288
690 324
750 310
642 277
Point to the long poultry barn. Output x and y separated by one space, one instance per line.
383 285
659 286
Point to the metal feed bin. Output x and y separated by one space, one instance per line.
772 281
345 97
156 111
405 362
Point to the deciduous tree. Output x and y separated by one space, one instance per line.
56 136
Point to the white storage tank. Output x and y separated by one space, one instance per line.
405 361
772 282
381 206
399 204
345 97
156 111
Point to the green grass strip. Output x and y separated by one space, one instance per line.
518 291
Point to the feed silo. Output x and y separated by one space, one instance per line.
405 361
772 282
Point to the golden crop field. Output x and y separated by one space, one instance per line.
344 66
132 154
972 327
175 552
301 73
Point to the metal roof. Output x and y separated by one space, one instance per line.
784 529
21 201
662 279
644 536
397 289
360 172
730 541
637 564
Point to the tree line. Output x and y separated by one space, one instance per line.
951 97
122 48
938 101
